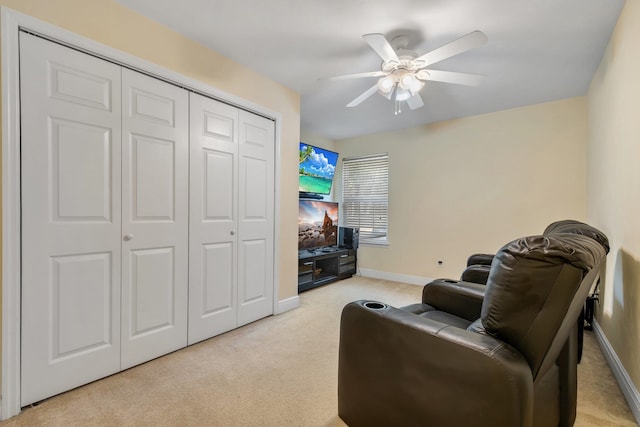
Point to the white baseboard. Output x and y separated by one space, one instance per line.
624 381
287 304
394 277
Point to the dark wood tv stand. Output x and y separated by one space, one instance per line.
321 266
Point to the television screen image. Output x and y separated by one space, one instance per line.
317 167
317 224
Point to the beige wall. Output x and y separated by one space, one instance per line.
110 23
614 185
473 184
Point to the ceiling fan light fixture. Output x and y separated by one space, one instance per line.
417 87
402 94
386 84
410 82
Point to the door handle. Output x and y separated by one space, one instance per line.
233 232
127 237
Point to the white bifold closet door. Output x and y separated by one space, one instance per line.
104 164
155 217
231 210
71 224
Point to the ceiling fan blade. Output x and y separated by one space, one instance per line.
373 89
464 43
358 75
383 48
466 79
415 102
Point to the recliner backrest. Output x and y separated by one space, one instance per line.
536 287
577 227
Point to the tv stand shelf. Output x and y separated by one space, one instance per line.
319 267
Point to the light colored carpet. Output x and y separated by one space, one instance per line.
279 371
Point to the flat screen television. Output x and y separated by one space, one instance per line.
316 170
317 224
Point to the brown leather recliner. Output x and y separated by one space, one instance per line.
470 355
478 265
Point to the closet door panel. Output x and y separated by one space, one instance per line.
218 189
152 179
218 263
155 218
152 290
70 146
213 225
82 190
256 217
254 273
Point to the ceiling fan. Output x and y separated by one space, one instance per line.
403 73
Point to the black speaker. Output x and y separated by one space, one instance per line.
349 237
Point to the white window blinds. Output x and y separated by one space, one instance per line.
365 196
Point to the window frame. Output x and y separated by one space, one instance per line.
366 197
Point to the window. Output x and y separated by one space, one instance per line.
365 196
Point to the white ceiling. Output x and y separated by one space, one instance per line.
538 51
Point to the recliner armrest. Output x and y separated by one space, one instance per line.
396 368
480 259
464 299
476 274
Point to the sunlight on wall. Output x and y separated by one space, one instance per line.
613 294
